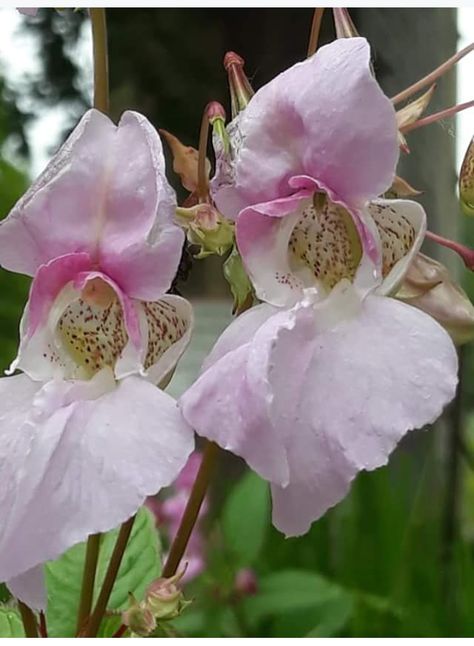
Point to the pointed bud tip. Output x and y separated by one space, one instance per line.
232 58
215 111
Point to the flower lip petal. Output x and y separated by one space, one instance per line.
30 588
81 465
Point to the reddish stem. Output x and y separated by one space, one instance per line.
43 629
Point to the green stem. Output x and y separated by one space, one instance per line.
315 29
101 63
88 580
191 512
29 620
109 579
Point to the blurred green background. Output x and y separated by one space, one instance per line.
396 557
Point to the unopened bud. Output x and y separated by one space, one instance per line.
466 181
207 229
246 583
138 618
240 89
164 598
429 287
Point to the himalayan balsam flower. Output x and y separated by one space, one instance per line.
85 433
325 377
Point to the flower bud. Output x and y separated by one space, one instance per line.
466 181
207 229
429 287
138 618
245 583
164 598
240 89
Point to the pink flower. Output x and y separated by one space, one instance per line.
325 377
28 11
86 434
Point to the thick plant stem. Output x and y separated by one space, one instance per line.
315 29
109 579
191 512
88 579
101 61
203 184
29 620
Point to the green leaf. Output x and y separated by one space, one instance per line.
333 617
140 566
10 623
292 590
246 518
239 282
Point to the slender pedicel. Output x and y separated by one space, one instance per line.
29 620
464 252
101 63
191 512
435 74
432 118
315 29
109 579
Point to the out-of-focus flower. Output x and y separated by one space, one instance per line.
28 11
86 434
428 286
466 181
246 583
323 379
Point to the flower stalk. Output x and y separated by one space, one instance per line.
203 182
435 74
437 116
109 579
315 29
88 579
29 620
191 512
465 253
101 61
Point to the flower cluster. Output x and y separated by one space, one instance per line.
348 347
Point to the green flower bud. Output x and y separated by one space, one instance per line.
138 618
